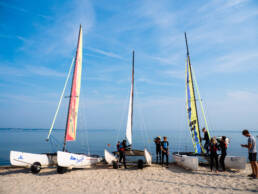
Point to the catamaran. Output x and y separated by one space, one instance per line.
110 158
190 159
62 159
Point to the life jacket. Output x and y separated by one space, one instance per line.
165 144
226 145
213 148
121 147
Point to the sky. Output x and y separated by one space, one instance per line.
38 41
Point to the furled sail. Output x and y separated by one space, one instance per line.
130 110
71 122
191 107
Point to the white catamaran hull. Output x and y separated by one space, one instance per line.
235 162
110 158
71 160
27 159
148 157
189 162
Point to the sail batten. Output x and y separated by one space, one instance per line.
71 123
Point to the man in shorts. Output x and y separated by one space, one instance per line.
251 146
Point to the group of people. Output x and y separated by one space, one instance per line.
212 146
161 150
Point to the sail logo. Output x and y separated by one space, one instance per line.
20 157
77 159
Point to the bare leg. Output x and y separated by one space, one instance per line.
254 168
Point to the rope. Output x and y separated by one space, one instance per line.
199 96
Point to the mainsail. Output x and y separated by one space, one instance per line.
130 109
191 106
71 123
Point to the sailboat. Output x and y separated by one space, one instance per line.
110 158
66 159
62 159
190 159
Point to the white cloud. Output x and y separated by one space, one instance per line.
105 53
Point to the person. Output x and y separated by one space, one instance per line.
165 150
207 140
158 149
223 148
122 148
213 153
251 146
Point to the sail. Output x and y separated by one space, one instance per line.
130 110
192 109
71 122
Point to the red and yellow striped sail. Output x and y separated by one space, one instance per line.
71 123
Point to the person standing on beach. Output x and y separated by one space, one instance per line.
251 146
207 140
165 150
223 147
122 148
213 153
157 142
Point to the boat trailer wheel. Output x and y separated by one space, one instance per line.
140 164
61 170
115 165
35 167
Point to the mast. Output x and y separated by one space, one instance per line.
193 92
132 93
71 121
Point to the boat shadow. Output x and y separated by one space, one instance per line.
204 171
11 171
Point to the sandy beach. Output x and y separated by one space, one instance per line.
104 179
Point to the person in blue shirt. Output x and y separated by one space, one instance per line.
251 146
165 150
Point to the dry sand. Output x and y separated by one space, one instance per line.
103 179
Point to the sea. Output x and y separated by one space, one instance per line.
94 141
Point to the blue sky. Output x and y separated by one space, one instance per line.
38 40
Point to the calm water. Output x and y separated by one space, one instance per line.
94 141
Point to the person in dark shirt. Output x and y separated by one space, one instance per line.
118 145
157 142
223 148
165 150
213 153
207 140
122 148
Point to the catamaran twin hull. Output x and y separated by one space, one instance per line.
191 161
24 159
188 162
71 160
110 158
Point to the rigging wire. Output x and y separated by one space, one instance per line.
60 101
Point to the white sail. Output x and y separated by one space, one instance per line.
129 120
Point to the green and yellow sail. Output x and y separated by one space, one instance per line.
191 107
